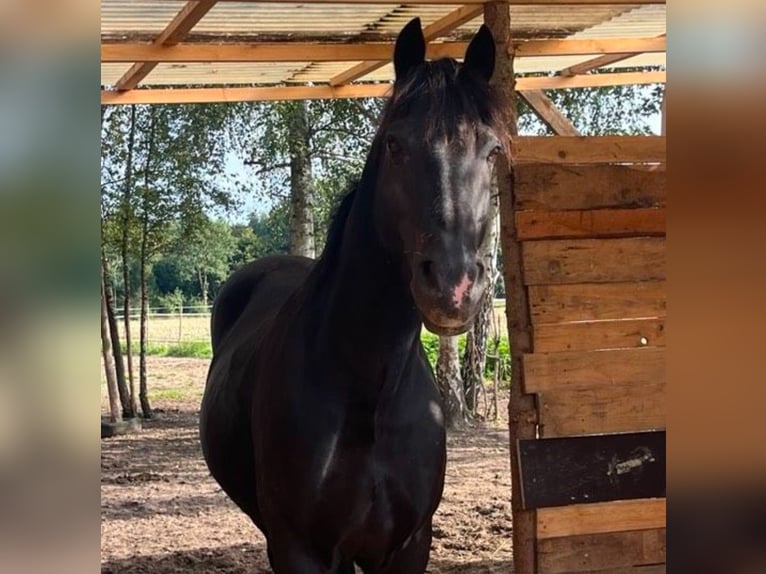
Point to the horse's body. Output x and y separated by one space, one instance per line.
321 419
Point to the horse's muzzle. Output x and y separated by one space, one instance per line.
447 296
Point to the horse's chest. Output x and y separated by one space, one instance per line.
383 492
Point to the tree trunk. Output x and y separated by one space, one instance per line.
115 414
302 241
475 357
496 385
203 285
114 335
146 408
126 208
450 384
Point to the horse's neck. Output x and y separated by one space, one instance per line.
369 320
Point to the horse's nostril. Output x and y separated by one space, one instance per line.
428 270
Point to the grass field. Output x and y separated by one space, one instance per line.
188 330
174 329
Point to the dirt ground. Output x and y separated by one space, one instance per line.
162 512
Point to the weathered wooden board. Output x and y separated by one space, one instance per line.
590 223
599 518
607 552
563 187
588 149
594 335
653 569
589 469
606 409
596 301
594 260
567 369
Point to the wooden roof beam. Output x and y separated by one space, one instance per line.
379 52
511 2
589 80
439 28
264 52
596 63
586 46
173 33
547 111
271 93
227 94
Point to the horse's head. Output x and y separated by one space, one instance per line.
439 135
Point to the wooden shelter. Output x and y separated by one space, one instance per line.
583 225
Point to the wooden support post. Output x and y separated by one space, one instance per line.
547 111
521 408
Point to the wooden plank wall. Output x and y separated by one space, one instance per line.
590 216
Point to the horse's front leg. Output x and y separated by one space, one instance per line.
288 556
412 558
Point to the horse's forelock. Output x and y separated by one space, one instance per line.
449 97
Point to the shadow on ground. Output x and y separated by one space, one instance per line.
162 512
251 559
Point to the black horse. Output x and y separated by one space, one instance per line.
321 419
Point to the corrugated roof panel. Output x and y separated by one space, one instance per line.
242 19
641 61
385 74
321 72
223 73
248 18
131 16
110 73
558 63
238 21
553 21
136 17
642 22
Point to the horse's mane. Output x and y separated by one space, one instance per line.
338 223
449 97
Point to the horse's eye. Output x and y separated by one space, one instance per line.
494 151
393 146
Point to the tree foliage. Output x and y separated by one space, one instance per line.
340 133
162 169
339 137
613 110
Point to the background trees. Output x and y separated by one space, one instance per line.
163 174
303 155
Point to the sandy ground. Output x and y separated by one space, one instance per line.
162 512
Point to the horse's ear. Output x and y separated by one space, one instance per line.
410 49
480 55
